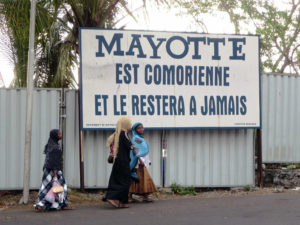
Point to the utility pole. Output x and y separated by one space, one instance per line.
29 103
81 153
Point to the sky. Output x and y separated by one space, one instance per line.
6 69
168 20
157 20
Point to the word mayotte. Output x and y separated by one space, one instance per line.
138 42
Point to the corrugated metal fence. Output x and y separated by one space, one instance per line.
12 134
201 158
281 118
210 158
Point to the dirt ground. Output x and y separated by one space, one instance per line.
10 199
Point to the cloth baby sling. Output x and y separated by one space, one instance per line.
141 149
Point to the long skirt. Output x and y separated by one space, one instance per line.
119 182
60 200
144 185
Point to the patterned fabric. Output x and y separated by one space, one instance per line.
61 201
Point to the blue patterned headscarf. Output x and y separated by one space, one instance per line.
141 148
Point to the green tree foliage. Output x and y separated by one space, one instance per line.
277 24
16 36
15 20
57 34
73 15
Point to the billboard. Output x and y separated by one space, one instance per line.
169 80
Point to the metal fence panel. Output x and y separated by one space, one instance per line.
280 117
71 144
210 158
12 134
203 158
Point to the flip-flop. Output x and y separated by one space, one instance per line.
68 208
132 200
147 199
123 205
40 209
113 203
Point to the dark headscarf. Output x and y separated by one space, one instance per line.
53 152
52 141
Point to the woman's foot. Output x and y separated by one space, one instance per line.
121 205
67 208
114 203
147 199
39 209
131 200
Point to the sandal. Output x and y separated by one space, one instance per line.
39 208
67 208
121 205
113 203
131 200
148 199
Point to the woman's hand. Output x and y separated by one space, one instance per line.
141 162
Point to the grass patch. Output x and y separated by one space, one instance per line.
177 189
247 188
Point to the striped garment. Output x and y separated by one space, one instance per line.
62 198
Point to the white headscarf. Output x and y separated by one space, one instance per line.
124 123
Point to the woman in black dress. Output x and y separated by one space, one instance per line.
119 181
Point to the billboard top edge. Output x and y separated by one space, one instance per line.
182 32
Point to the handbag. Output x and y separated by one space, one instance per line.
52 194
110 159
111 154
58 189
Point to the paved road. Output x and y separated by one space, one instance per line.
270 209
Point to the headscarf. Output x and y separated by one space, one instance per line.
53 152
124 123
141 148
52 141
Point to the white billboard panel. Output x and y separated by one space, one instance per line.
169 80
